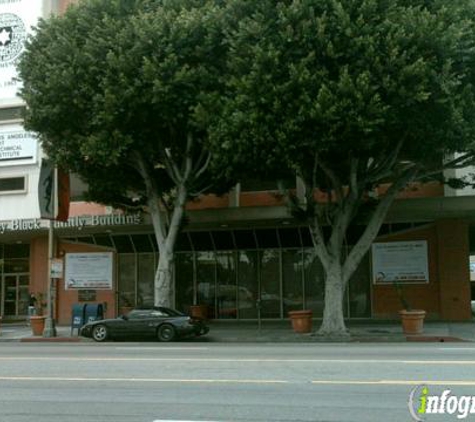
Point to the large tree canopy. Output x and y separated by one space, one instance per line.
121 93
348 94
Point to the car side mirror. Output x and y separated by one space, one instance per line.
124 317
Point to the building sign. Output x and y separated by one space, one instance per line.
472 267
53 192
73 222
56 268
17 17
87 296
400 261
88 271
17 146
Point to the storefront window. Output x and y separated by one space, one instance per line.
292 266
127 273
226 285
247 284
270 283
146 275
23 294
205 277
16 265
359 290
184 280
314 282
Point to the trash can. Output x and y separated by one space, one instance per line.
77 316
94 312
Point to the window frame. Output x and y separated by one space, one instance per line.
15 192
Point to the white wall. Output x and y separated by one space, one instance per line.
21 205
467 172
20 16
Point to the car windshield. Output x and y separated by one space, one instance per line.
171 312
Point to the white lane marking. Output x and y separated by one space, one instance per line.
236 381
160 348
146 359
458 349
395 382
144 380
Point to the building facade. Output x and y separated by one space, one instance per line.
242 255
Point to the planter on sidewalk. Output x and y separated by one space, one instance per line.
37 324
199 311
301 321
412 321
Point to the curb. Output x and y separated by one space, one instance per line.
50 340
440 339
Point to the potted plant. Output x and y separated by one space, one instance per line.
301 321
412 319
199 311
125 305
38 321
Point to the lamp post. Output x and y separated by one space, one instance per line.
50 329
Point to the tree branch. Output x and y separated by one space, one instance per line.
375 222
155 202
383 168
200 170
188 162
171 167
336 182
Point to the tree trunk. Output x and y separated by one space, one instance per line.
164 286
333 323
164 280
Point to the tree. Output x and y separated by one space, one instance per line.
349 95
120 93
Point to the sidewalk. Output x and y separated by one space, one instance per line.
279 331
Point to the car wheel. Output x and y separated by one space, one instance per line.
99 333
166 332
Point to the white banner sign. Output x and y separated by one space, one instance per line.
88 271
400 261
17 146
17 17
472 267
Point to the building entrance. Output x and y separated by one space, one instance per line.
14 295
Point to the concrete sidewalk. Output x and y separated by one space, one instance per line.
279 331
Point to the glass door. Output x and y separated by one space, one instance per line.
15 295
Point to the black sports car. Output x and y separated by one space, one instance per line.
165 324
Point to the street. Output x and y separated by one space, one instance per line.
201 381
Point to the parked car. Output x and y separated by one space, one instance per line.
162 323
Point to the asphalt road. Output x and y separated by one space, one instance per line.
147 382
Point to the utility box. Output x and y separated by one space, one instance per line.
93 312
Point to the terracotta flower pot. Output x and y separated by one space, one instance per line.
37 324
412 321
199 311
301 321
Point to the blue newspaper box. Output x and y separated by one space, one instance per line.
94 312
77 316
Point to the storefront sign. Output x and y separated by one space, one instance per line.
56 268
400 261
53 192
472 267
87 295
73 222
17 146
88 271
17 17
